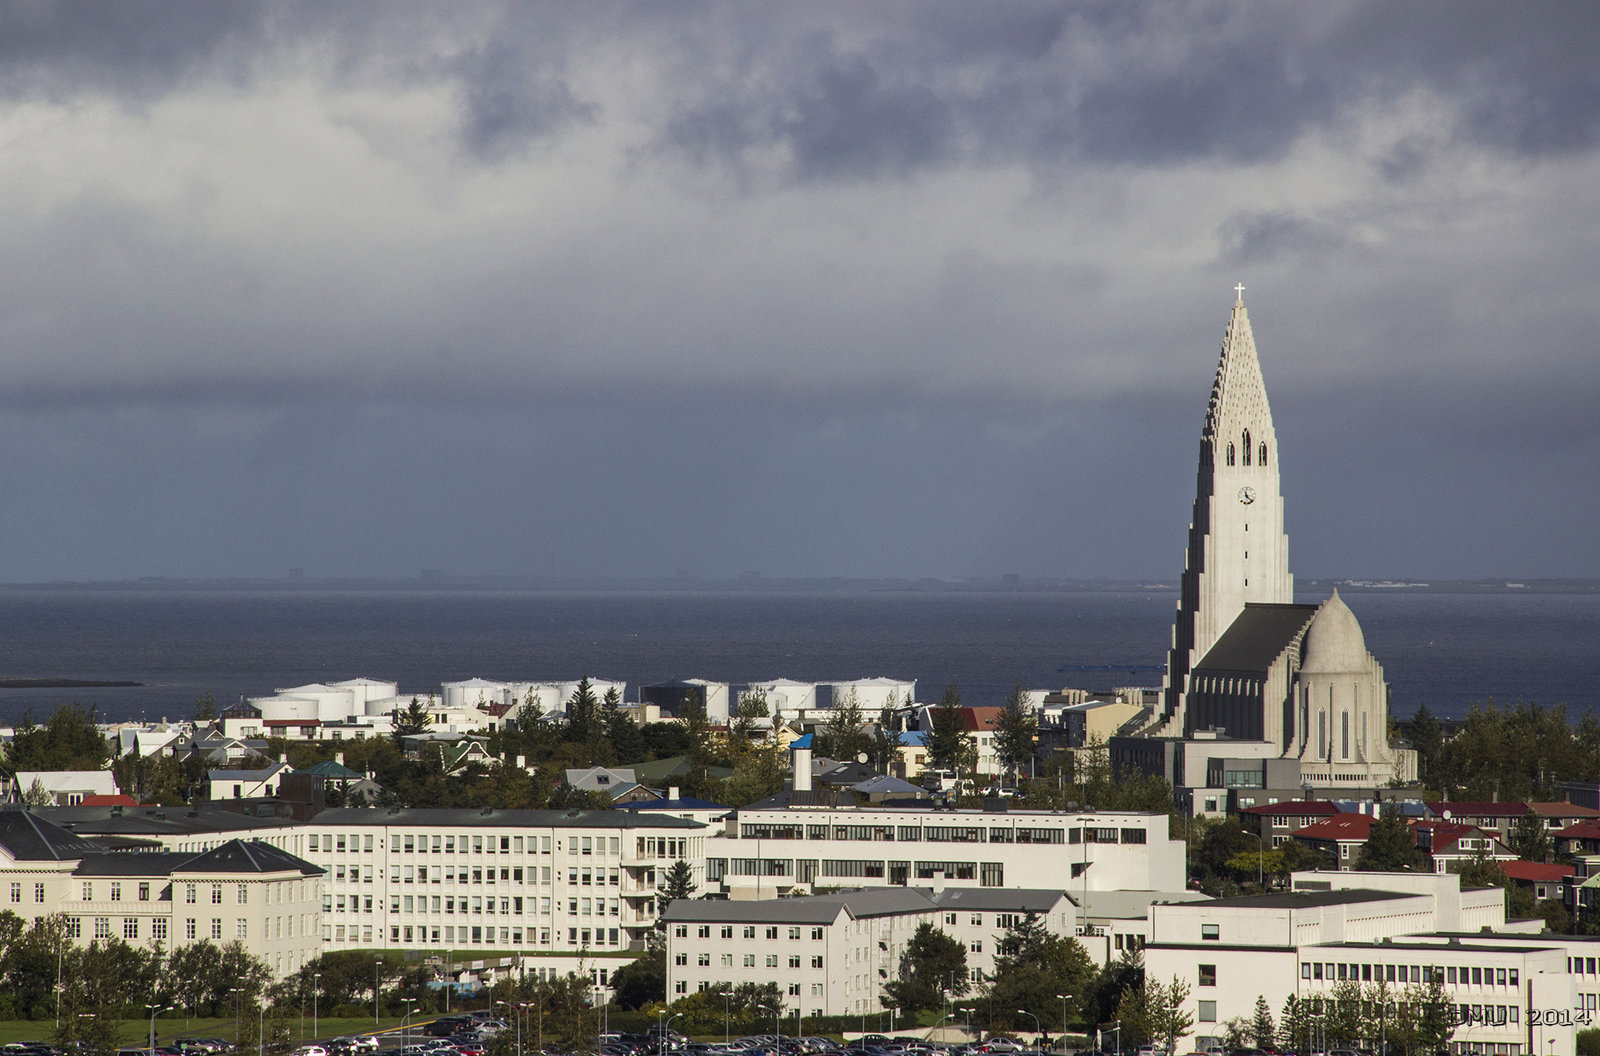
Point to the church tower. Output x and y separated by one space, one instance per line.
1238 552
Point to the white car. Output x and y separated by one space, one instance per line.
311 1050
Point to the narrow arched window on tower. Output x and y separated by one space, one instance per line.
1230 454
1263 453
1247 447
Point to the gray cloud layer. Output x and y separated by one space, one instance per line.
903 288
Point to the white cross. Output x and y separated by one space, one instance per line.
1239 289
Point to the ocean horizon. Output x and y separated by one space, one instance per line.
1448 650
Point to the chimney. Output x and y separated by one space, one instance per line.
338 757
802 770
522 762
938 881
673 793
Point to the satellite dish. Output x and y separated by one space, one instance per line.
862 757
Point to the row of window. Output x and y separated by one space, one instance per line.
805 870
467 844
725 931
101 928
1449 975
907 833
446 936
451 904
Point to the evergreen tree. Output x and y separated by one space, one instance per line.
1013 735
932 965
1428 739
583 715
948 740
1390 846
643 981
1529 839
621 730
1262 1030
678 883
1294 1025
843 737
414 720
69 740
205 708
1032 966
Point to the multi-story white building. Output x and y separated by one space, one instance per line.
269 900
1397 929
831 954
805 841
550 886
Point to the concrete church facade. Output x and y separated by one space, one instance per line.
1244 657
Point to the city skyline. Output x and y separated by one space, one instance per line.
895 291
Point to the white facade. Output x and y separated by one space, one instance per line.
547 885
784 696
1398 929
776 850
552 697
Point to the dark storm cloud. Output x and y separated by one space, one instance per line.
916 288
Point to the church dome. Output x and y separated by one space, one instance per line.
1334 642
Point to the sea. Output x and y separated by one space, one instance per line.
1448 650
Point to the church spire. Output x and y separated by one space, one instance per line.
1238 553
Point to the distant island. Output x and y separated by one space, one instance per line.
64 683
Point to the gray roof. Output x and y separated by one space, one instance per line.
131 863
253 856
499 819
1003 899
815 909
156 821
31 838
1308 899
1257 637
1134 905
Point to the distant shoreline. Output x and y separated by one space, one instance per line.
441 582
65 683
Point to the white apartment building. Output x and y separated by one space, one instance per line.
831 954
551 886
1398 929
802 841
248 891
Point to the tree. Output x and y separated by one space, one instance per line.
642 981
1014 730
1483 871
1294 1025
886 745
1390 846
1262 1030
69 740
678 883
843 736
1032 966
1168 1019
583 715
948 740
1529 839
205 708
411 722
932 965
1428 739
621 730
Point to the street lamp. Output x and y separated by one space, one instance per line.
1118 1030
316 990
377 965
727 995
1037 1027
1064 999
405 1021
236 1002
777 1025
154 1011
261 1028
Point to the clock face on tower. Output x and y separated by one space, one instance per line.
1247 495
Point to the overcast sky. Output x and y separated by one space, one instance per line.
806 289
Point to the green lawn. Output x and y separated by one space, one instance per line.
137 1031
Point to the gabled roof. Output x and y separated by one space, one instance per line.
1003 899
30 838
1480 809
329 768
684 803
1536 871
1580 830
1563 810
252 856
885 784
1257 637
1296 808
813 909
980 718
1339 827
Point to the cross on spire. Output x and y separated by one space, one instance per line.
1239 289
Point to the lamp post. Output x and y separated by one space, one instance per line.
1118 1030
155 1010
405 1021
727 995
777 1025
675 1015
236 1002
1064 999
261 1028
316 991
1037 1027
1261 859
377 966
449 981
